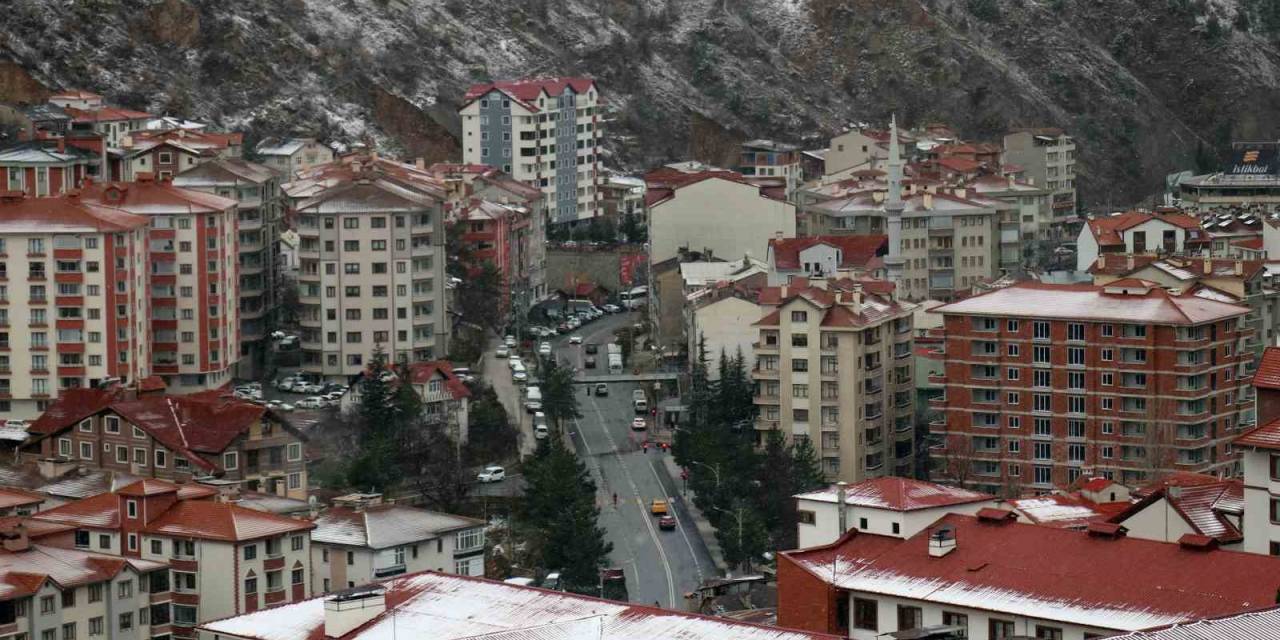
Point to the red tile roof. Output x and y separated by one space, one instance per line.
147 196
1266 436
1058 510
899 494
1268 374
72 406
423 372
105 114
1176 479
856 250
97 512
1106 582
662 183
1204 507
11 497
22 573
68 213
1030 299
210 520
528 90
1107 229
1250 243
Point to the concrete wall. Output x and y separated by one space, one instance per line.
727 325
878 521
602 266
1259 488
978 620
729 218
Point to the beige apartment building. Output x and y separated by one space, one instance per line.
194 324
360 540
950 239
834 365
371 264
73 299
1047 157
225 559
260 207
52 593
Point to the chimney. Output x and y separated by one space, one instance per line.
942 541
1011 181
1208 264
16 538
1109 530
1239 267
358 501
1174 492
962 192
877 197
356 166
842 510
777 235
420 163
928 200
1102 261
344 611
1128 261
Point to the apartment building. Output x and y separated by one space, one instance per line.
360 540
53 593
1260 460
75 307
1047 157
90 113
769 159
985 576
371 264
1163 231
194 323
260 214
833 365
174 438
225 559
1034 212
43 167
950 240
859 149
1250 178
168 152
826 257
722 319
288 156
544 132
1045 383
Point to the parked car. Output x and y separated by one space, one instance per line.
602 389
492 473
589 362
540 431
502 352
314 402
544 349
519 375
513 360
612 308
509 340
285 407
14 423
575 339
658 507
667 523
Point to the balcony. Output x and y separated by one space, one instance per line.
937 378
938 402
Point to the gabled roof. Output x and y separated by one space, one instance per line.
1204 507
1087 302
899 494
385 525
210 520
223 172
1266 436
149 197
1057 510
1099 581
105 114
855 250
450 607
1108 229
11 497
526 91
662 184
1268 374
382 182
67 213
839 302
22 573
1251 625
207 143
281 146
423 372
41 152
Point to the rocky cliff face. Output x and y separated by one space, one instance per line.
1144 84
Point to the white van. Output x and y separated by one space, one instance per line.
539 418
533 399
540 431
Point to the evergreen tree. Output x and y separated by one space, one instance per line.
375 410
776 490
560 513
559 394
806 469
742 536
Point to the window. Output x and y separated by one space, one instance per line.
999 629
1040 330
866 614
104 541
295 451
1048 633
799 316
131 507
69 631
124 589
230 461
1075 331
295 543
909 617
95 591
296 576
184 615
953 619
1108 331
96 626
1107 355
157 547
250 551
1013 373
250 585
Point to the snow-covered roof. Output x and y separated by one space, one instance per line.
1120 301
1057 510
384 526
898 494
1253 625
698 274
281 146
435 606
1101 581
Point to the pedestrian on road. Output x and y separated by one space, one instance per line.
645 444
615 499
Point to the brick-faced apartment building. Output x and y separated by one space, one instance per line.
1048 382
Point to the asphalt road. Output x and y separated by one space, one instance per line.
661 566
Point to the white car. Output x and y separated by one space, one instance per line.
514 360
519 376
285 407
544 350
575 339
502 352
612 308
510 341
14 423
313 402
492 473
540 432
639 424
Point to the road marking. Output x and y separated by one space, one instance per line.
648 517
697 566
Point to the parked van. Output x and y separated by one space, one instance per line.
639 401
533 399
539 418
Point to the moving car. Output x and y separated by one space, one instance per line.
575 339
510 341
540 431
612 308
513 360
602 389
667 523
502 352
14 423
519 375
492 473
658 507
639 424
544 349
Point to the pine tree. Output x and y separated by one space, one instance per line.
776 490
806 469
742 536
559 395
375 410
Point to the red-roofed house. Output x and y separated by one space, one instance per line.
889 506
997 578
1167 511
75 308
226 559
1139 232
1266 385
167 152
851 256
173 438
544 132
860 422
445 398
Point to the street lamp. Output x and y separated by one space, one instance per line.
714 469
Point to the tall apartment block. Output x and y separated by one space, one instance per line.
256 190
194 322
1048 159
74 301
371 264
544 132
834 365
1046 383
